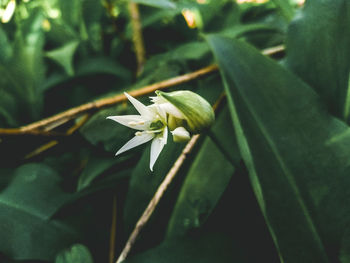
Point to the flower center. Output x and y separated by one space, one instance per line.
156 125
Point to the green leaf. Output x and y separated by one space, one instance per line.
26 205
205 181
157 3
95 167
205 249
296 153
23 71
285 8
318 51
77 253
144 183
64 56
99 130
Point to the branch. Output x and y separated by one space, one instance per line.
37 127
88 107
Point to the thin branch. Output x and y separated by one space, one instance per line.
53 143
156 198
137 37
161 190
105 102
36 127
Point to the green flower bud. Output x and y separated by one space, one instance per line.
197 112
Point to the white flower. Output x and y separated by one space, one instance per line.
151 125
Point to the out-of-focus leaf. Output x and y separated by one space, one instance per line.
318 51
206 180
286 9
94 168
99 130
71 12
23 71
296 153
64 56
77 253
6 49
157 3
144 183
240 30
26 206
205 249
8 109
102 65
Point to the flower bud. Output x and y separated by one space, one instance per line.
195 110
180 134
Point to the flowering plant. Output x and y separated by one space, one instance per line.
174 111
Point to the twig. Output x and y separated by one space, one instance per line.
137 36
105 102
113 230
156 198
36 127
53 143
161 190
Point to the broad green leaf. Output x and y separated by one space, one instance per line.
77 253
205 249
318 51
296 153
64 56
206 180
26 205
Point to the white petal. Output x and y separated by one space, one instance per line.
165 135
142 109
136 122
171 109
136 141
157 110
157 146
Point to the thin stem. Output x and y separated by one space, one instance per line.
137 37
156 198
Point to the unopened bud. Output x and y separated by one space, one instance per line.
197 112
180 134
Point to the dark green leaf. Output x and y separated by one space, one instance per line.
205 249
26 205
205 181
318 51
144 183
296 153
285 8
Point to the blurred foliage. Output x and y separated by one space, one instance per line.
267 183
